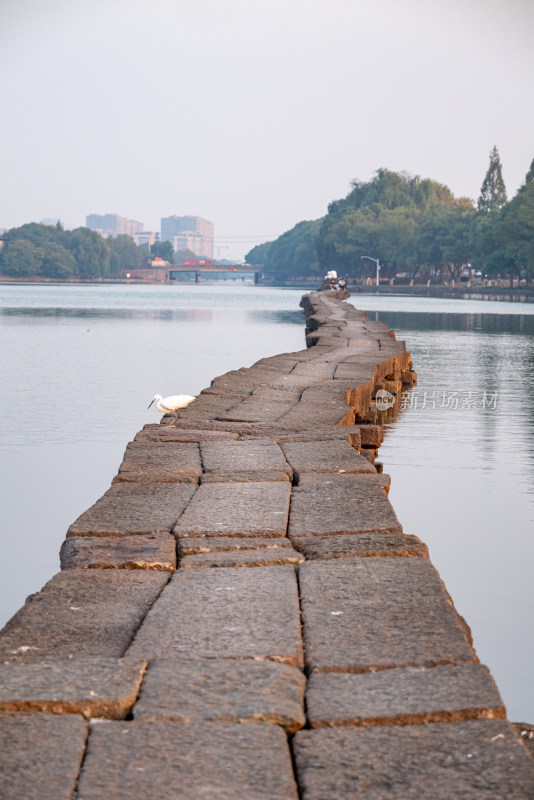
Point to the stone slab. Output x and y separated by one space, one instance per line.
154 551
474 760
176 761
81 613
171 462
413 695
251 456
225 613
212 544
254 409
244 477
40 755
339 504
134 509
304 416
224 690
237 509
363 545
92 687
326 457
158 433
367 614
264 557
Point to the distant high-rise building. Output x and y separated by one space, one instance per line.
191 233
111 225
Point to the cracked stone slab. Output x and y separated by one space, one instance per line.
166 759
237 509
81 613
212 544
40 755
363 545
244 477
474 760
255 409
92 687
154 551
134 509
159 433
413 695
264 557
225 690
325 456
160 463
339 504
225 613
241 457
367 614
304 416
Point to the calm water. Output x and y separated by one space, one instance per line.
81 364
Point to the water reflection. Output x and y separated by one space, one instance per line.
162 314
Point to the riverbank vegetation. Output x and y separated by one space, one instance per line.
48 251
417 229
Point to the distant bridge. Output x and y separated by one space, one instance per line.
187 273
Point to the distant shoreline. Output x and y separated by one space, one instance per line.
516 294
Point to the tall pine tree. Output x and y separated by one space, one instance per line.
493 191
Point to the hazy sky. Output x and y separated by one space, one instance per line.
254 114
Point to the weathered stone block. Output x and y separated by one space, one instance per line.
252 456
254 409
303 416
225 690
172 462
244 477
225 613
263 557
134 509
375 613
237 509
337 504
371 435
81 613
475 760
139 760
153 551
403 696
360 544
331 456
92 687
212 544
40 755
158 433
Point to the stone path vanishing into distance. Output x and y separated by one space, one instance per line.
242 616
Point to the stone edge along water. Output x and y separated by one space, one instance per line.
242 615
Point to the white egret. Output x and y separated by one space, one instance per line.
172 403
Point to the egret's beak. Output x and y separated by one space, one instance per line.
151 403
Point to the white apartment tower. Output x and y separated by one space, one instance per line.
111 225
191 233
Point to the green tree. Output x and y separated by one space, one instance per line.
93 254
21 257
514 229
129 255
163 250
292 255
58 262
493 191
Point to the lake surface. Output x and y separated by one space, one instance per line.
81 363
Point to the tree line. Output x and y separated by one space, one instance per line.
415 227
35 250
